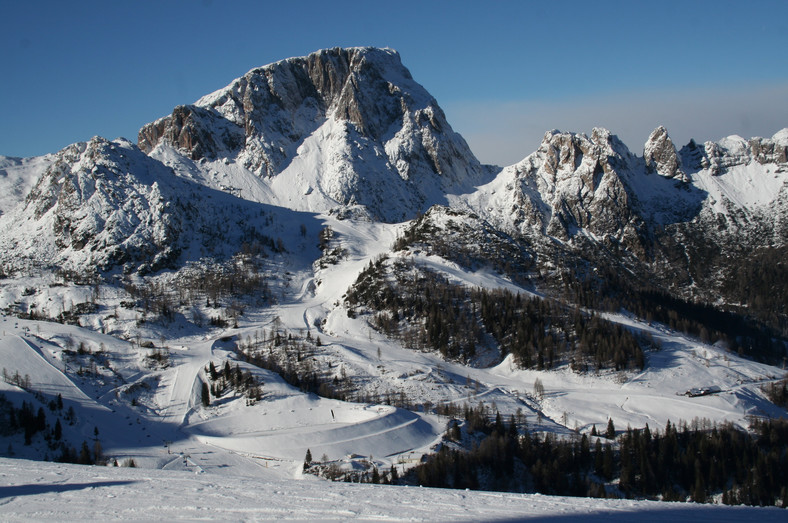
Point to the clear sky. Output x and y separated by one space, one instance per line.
503 71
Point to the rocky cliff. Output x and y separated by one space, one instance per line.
364 109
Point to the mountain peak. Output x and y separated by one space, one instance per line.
661 156
326 122
270 109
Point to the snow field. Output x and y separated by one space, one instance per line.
58 492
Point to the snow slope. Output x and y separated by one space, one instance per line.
17 177
57 492
286 422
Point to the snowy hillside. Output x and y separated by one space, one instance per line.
309 273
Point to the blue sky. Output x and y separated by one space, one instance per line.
504 72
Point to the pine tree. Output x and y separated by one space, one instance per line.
41 420
498 428
454 432
206 395
598 457
308 459
98 452
610 433
607 463
538 388
84 455
699 490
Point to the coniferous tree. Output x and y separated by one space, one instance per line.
598 456
205 395
41 420
97 452
84 455
71 415
607 462
610 432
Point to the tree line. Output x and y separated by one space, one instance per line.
293 356
679 463
30 422
740 333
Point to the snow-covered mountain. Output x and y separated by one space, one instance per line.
685 220
578 184
318 233
103 205
338 127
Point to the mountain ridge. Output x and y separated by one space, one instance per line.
348 132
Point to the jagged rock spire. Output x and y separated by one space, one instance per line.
661 156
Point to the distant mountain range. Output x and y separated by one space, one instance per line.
349 132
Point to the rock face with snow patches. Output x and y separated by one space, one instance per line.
101 205
347 124
661 156
571 183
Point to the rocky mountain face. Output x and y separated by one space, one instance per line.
102 200
102 205
682 222
364 109
571 183
661 156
